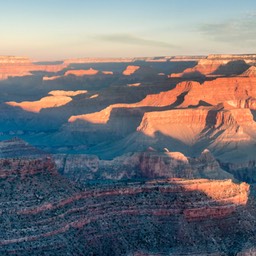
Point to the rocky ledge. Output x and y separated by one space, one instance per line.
44 214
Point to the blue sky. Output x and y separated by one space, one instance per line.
58 29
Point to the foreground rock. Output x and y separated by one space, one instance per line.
47 215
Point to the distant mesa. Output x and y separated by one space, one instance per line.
50 78
217 65
94 96
97 60
11 66
46 102
215 114
134 85
107 72
18 148
67 93
130 70
79 73
82 72
58 98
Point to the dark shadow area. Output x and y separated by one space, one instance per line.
236 67
165 67
254 115
201 103
49 62
246 172
194 75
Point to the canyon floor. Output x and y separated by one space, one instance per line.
143 156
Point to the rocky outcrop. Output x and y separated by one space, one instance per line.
220 90
218 65
67 93
17 148
130 70
107 72
131 60
215 114
184 125
161 99
117 117
144 165
56 99
20 66
251 71
46 102
82 72
45 214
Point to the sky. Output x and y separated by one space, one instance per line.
61 29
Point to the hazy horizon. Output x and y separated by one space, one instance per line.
62 29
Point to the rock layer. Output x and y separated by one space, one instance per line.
20 66
46 214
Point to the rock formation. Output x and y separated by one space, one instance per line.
46 214
140 163
67 93
251 71
130 70
218 65
20 66
88 72
46 102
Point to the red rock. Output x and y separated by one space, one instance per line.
82 72
130 70
20 66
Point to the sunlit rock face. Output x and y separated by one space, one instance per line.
56 99
11 66
67 93
130 70
251 72
88 72
215 114
218 65
46 102
46 214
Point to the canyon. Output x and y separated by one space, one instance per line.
43 213
128 156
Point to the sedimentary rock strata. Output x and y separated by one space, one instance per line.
11 66
218 65
46 102
144 165
45 214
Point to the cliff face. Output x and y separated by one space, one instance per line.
147 165
45 214
221 90
216 114
17 148
134 176
218 65
21 66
